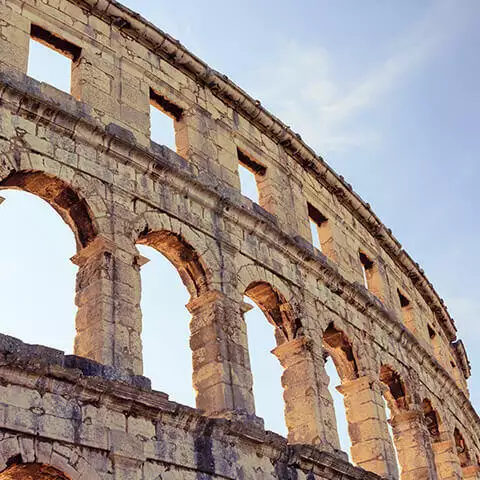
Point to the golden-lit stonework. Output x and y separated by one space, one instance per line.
363 301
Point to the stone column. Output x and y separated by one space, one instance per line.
221 366
108 320
94 80
414 448
446 460
309 412
14 38
195 136
372 447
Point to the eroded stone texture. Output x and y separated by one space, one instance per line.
361 301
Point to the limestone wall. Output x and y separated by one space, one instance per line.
90 156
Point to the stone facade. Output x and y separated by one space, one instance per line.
363 301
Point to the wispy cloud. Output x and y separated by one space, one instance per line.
318 105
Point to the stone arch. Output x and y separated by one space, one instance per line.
192 270
396 391
371 446
24 459
73 209
461 448
249 273
276 309
191 252
29 471
214 326
340 348
432 420
183 256
68 201
410 434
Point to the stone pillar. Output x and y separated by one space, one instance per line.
309 412
414 448
108 320
221 366
195 136
14 38
446 460
372 447
94 82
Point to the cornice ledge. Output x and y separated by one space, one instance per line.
462 357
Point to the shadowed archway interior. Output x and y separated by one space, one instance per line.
32 471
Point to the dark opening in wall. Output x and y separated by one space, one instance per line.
404 301
51 58
165 105
251 175
406 311
322 237
251 164
368 271
396 395
431 420
29 471
372 278
367 264
431 332
165 118
461 448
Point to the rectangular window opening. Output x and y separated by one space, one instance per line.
431 332
367 269
314 232
318 228
250 173
164 116
51 58
404 301
406 311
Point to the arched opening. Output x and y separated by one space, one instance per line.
461 448
182 256
263 337
431 419
58 194
395 394
173 276
396 402
341 370
276 309
339 406
32 471
37 284
340 349
266 371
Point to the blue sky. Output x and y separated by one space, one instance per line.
386 91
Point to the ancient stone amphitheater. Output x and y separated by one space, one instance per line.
361 300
